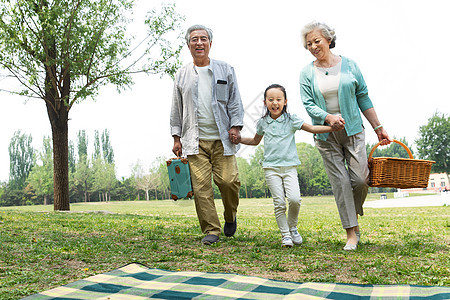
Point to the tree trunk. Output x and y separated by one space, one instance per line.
60 131
146 195
58 115
56 96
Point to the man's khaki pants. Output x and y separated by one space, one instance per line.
210 164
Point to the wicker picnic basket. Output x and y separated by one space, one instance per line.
398 172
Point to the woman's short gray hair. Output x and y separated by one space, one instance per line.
198 27
327 32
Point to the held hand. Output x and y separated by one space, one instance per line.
177 148
337 127
235 135
336 122
383 137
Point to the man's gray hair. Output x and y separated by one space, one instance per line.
327 32
198 27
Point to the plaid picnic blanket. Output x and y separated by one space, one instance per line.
135 281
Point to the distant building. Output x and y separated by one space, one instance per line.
438 182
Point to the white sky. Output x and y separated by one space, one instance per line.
401 47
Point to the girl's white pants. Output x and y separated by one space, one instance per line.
283 184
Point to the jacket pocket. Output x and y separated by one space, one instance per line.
222 91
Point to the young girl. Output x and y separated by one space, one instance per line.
280 159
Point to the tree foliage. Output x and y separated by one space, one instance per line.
244 175
82 176
160 168
41 176
72 159
104 178
82 145
434 142
107 150
97 148
95 179
21 159
258 186
154 178
85 44
312 176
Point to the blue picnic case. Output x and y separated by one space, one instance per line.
179 178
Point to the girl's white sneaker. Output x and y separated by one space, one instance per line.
296 237
286 242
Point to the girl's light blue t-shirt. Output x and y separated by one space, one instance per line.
279 140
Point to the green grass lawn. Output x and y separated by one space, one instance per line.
42 249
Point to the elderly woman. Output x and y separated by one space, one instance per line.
333 92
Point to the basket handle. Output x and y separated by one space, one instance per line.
395 141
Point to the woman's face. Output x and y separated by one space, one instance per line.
317 44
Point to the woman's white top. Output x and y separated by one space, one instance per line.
328 82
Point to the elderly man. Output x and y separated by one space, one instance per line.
206 119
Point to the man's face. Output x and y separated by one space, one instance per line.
199 44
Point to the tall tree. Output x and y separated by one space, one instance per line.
142 179
97 146
162 177
82 175
107 150
312 176
244 174
82 168
434 142
72 159
104 178
258 182
137 171
82 145
2 192
21 159
41 176
63 51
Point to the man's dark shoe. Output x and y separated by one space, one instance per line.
230 228
210 239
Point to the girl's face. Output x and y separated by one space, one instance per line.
275 102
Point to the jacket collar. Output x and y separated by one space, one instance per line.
211 62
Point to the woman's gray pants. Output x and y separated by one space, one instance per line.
345 161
